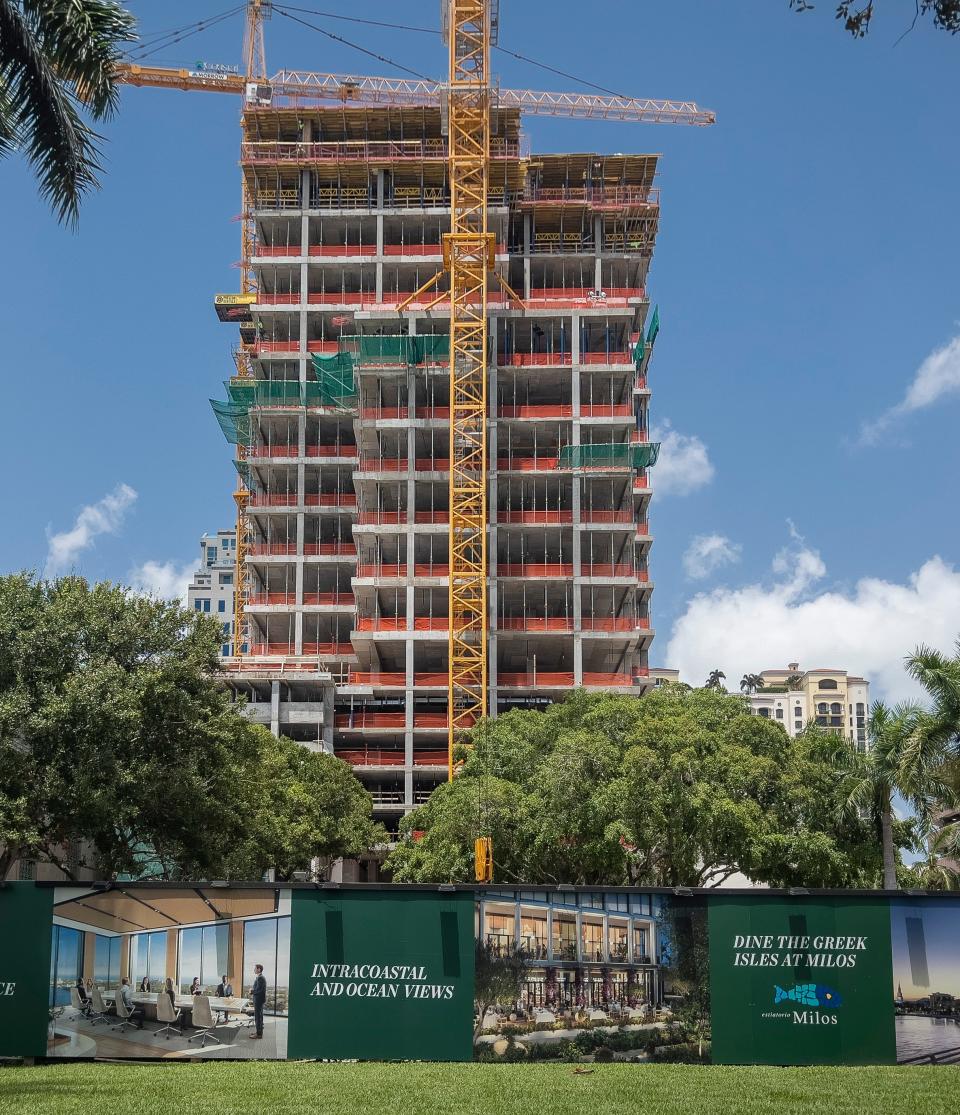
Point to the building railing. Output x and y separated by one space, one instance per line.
266 152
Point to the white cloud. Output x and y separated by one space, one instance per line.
937 376
684 464
867 630
103 517
707 553
164 579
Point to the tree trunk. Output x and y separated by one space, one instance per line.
886 836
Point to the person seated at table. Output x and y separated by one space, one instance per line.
82 991
145 984
224 991
136 1013
195 988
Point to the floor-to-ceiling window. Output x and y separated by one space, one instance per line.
148 957
266 941
106 961
66 963
203 956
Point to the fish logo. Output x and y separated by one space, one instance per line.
809 995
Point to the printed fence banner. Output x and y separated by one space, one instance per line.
925 935
141 971
382 975
272 971
800 981
25 952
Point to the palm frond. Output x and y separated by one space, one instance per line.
43 118
81 39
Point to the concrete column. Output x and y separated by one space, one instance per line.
328 718
235 956
171 958
379 257
526 254
275 707
597 247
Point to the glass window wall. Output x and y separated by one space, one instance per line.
66 963
106 961
148 958
266 941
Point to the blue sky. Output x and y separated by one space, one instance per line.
805 270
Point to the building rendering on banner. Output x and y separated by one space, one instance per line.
584 951
211 590
341 421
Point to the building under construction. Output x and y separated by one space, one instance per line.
342 425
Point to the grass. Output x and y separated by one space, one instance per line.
429 1089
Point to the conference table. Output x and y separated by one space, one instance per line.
184 1003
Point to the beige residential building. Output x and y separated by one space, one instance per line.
827 697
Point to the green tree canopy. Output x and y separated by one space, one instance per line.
115 737
681 788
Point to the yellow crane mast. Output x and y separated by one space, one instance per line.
468 254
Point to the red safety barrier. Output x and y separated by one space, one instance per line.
381 518
535 623
560 410
606 410
412 249
527 464
330 499
535 517
535 679
607 679
332 451
606 357
272 451
535 569
276 346
535 359
264 299
342 249
590 516
371 757
609 569
323 346
327 549
431 517
329 599
382 623
618 623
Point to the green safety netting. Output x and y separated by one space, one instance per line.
623 455
397 349
234 421
243 468
638 351
264 392
336 384
654 326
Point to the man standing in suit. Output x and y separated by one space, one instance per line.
258 993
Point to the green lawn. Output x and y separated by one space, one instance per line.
408 1089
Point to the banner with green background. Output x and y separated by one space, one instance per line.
800 981
376 975
26 919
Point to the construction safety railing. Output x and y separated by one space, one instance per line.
383 757
270 152
289 650
310 549
419 569
290 450
309 599
397 680
597 197
402 464
399 623
310 499
564 624
389 720
392 413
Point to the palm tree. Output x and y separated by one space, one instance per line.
750 683
905 758
793 681
939 674
57 59
715 679
938 871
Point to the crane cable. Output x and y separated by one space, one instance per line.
159 41
433 31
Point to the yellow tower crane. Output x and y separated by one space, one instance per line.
470 29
